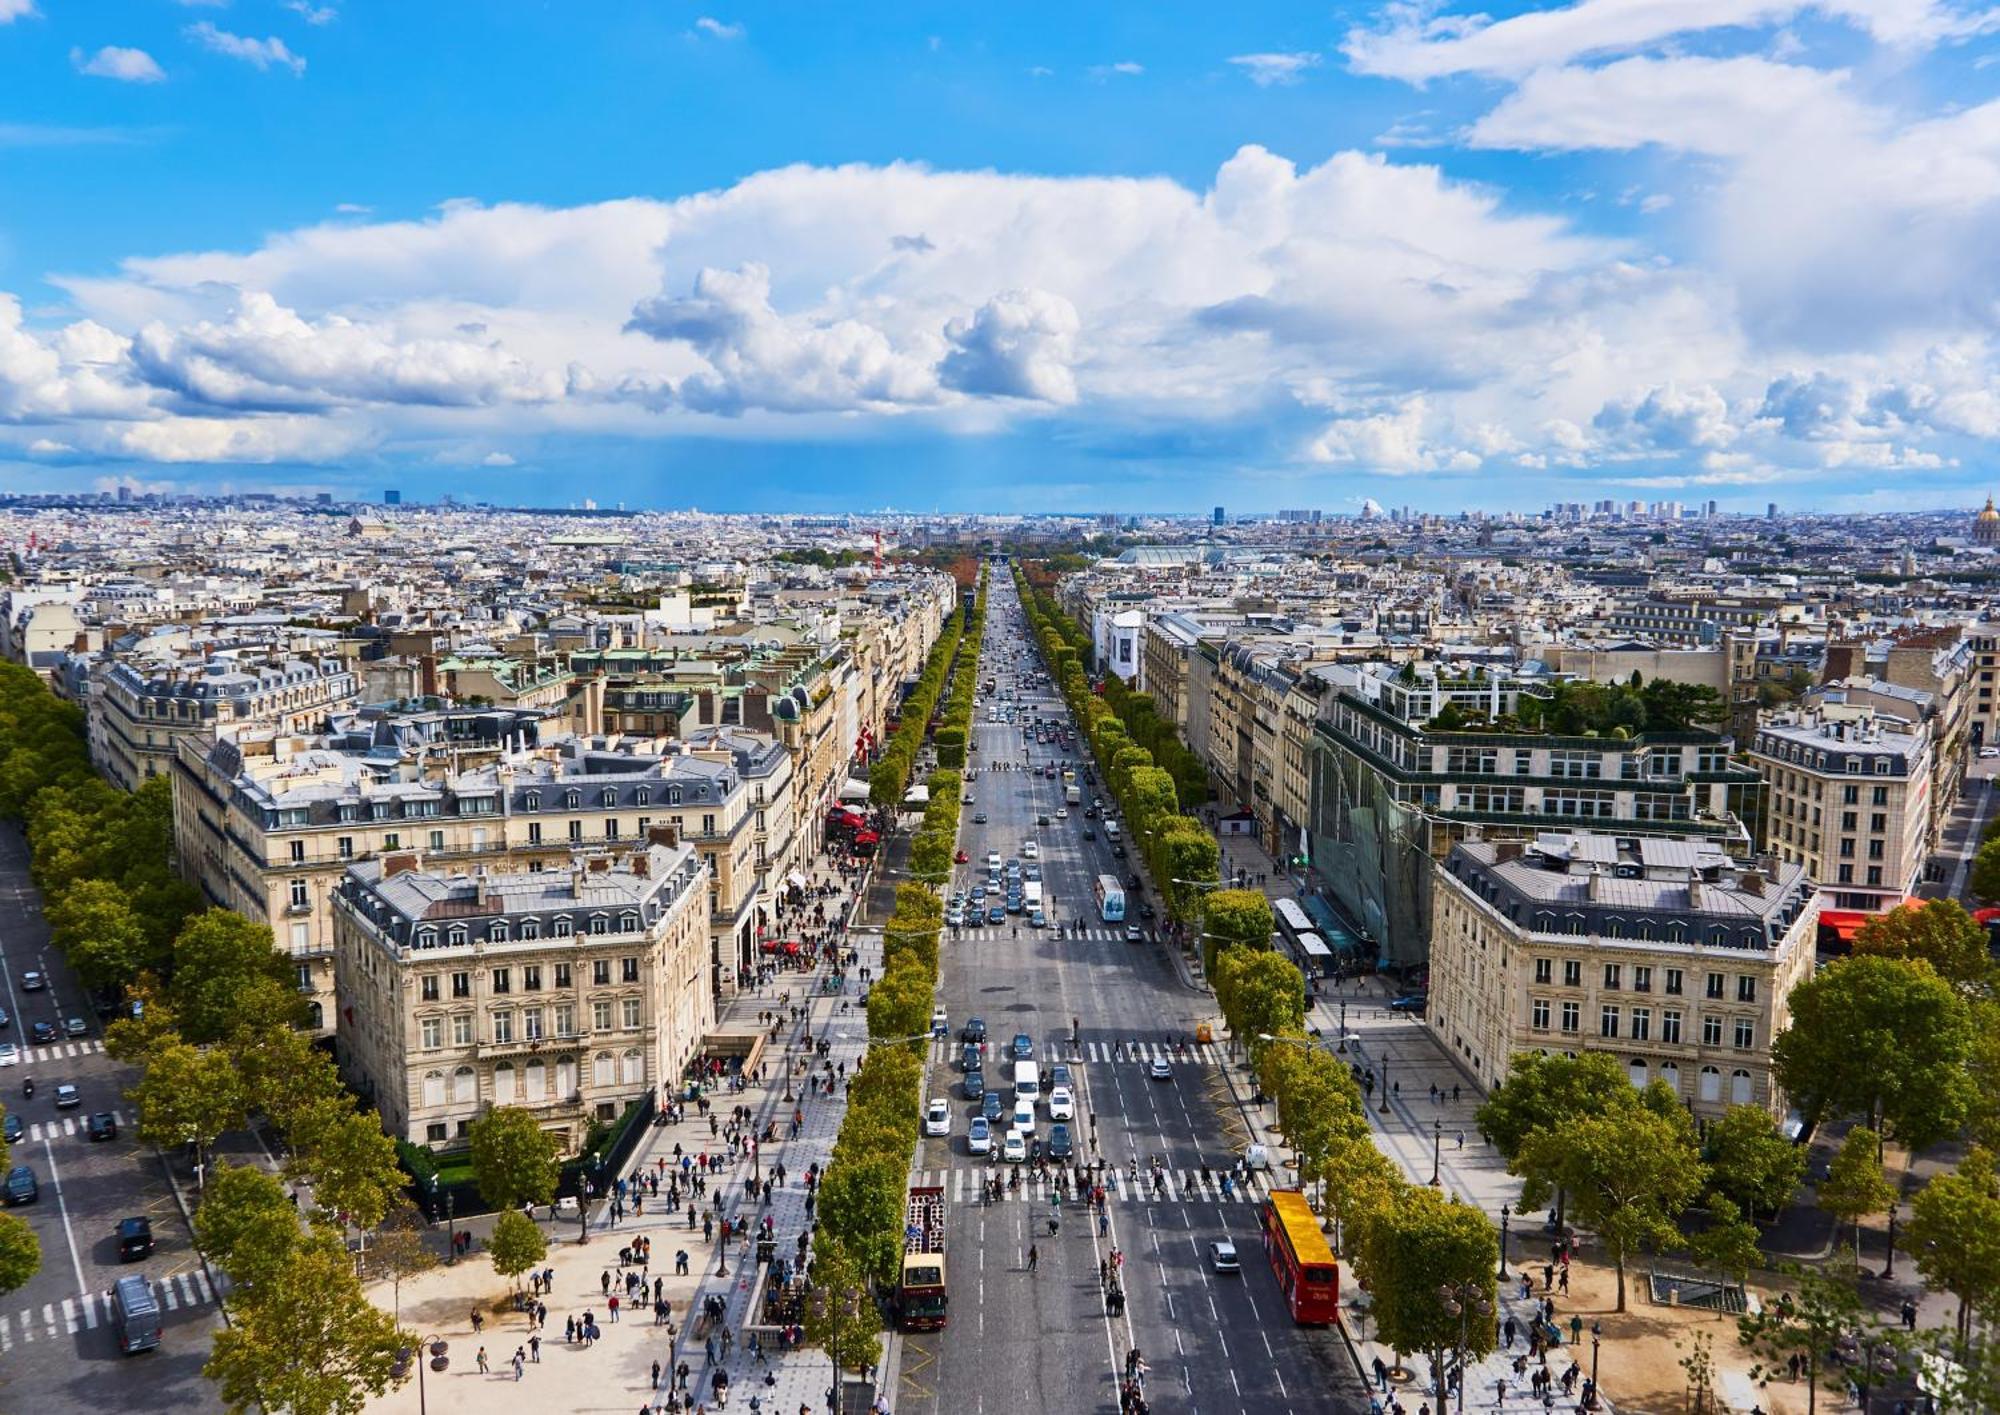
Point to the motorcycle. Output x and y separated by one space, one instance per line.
28 1086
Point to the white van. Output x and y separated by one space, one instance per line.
1027 1082
1031 895
1111 830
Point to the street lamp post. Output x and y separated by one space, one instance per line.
1889 1264
1596 1336
1437 1149
1461 1301
407 1358
1343 1026
1383 1108
582 1211
1504 1215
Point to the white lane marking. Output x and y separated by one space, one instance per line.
62 1205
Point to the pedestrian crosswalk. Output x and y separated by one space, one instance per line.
89 1310
1176 1186
57 1051
989 933
1124 1052
74 1124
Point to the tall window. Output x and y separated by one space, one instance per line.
1538 1012
1607 1022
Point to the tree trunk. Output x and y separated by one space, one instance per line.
1621 1279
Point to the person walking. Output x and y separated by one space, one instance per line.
484 1369
535 1349
520 1361
1034 1257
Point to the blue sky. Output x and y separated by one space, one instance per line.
1056 258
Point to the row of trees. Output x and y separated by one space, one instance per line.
889 779
862 1198
1183 857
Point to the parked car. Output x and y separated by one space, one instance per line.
14 1128
21 1186
44 1032
102 1125
135 1239
1414 1002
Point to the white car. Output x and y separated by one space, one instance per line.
1062 1105
937 1119
1024 1117
992 859
10 1055
1031 851
1014 1149
979 1136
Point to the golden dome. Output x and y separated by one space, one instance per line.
1986 525
1989 514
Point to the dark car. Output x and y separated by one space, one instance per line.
1059 1142
21 1185
1089 834
1118 852
979 818
1414 1002
103 1125
1041 820
135 1239
5 1020
1024 1047
67 1098
14 1129
76 1027
975 1084
44 1032
970 1056
991 1106
996 915
974 1029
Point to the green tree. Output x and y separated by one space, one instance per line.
1883 1038
861 1206
283 1072
218 958
1413 1249
1543 1091
306 1340
1805 1323
351 1163
1360 1182
187 1096
1751 1161
1269 993
1235 917
94 925
246 1223
1986 870
1727 1244
1629 1173
20 1253
513 1158
1855 1185
1982 1064
840 1316
518 1244
1941 933
1954 1236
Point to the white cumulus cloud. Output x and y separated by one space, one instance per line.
259 53
1266 70
1019 344
718 29
113 61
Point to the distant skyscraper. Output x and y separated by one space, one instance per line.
324 498
392 498
1216 518
124 493
1771 511
1709 509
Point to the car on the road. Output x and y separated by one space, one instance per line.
968 798
76 1027
1014 1149
1222 1256
1013 902
1062 813
10 1055
1090 813
937 1119
1146 909
102 1125
975 1084
979 1137
44 1032
992 859
978 895
970 1056
1062 1105
1414 1002
5 1020
135 1239
1031 851
1089 834
1041 820
1023 1117
21 1185
940 1024
1160 1070
954 917
1022 1047
1989 751
991 1106
961 858
32 981
1031 873
979 818
67 1097
1039 919
1059 1075
974 1029
1118 852
1134 934
1060 1146
14 1128
996 915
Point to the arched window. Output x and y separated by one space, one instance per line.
1711 1083
433 1088
1636 1070
1739 1087
464 1086
645 795
634 1068
604 1069
1671 1074
563 926
565 1077
503 1083
534 1082
315 1016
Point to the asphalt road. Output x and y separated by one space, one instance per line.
57 1349
1021 1340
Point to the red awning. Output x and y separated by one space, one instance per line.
1845 923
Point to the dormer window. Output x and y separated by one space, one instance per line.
531 928
572 798
532 801
563 927
608 797
427 938
628 923
599 924
498 933
456 935
645 795
673 795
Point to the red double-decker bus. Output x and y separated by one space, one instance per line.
1308 1276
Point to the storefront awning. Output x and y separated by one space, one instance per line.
854 790
796 880
918 795
1845 923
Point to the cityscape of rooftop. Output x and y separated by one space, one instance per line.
908 710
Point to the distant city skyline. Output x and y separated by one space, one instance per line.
761 260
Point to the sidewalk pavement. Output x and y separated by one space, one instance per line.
616 1371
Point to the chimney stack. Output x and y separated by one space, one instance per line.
393 865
